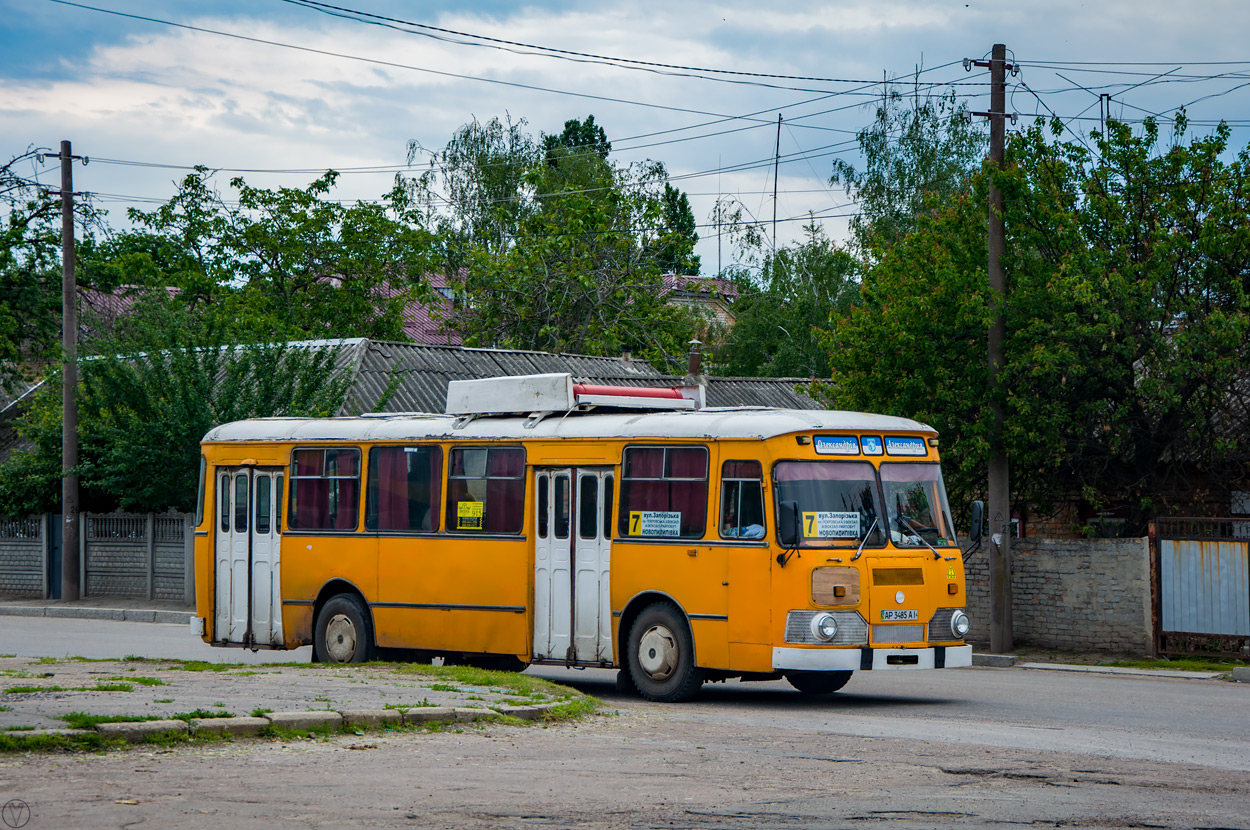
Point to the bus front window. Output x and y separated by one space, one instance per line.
916 501
837 501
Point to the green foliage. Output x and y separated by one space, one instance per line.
482 172
676 251
778 317
578 137
1128 322
143 411
918 154
282 264
562 250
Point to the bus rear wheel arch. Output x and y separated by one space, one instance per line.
343 633
660 655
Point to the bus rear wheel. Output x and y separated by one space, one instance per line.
661 655
343 632
818 682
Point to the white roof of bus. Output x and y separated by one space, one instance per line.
736 422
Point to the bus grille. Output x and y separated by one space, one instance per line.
940 625
897 633
852 629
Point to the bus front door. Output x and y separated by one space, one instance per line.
248 586
572 563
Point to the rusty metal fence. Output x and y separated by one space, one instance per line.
1202 575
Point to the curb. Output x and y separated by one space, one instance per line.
994 661
241 727
1241 674
148 615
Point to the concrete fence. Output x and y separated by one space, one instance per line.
1071 594
136 556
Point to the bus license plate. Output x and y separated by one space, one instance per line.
900 615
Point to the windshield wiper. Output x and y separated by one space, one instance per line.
860 550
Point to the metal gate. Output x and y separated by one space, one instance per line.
1202 604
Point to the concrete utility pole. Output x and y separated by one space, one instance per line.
999 490
69 379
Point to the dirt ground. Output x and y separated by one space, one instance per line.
643 767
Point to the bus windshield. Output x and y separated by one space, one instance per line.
916 500
837 501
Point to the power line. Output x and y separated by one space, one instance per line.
566 54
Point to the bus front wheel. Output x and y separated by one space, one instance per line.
818 682
343 632
661 655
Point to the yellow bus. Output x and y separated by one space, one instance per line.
541 521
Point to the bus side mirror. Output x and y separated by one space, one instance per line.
978 522
788 524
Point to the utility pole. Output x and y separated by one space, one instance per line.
69 382
999 489
776 166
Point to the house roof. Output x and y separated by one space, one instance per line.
416 376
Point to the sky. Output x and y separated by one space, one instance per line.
280 90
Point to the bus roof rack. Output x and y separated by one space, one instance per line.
539 396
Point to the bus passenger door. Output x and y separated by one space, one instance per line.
248 595
592 605
572 608
553 589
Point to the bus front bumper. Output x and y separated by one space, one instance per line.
866 658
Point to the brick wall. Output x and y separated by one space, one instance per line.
1071 594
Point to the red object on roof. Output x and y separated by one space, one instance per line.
626 391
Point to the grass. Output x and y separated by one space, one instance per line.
82 720
443 687
141 680
260 712
164 700
6 708
30 690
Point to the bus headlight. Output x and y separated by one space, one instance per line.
824 627
959 624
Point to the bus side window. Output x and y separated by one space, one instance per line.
325 489
664 492
742 500
404 488
486 489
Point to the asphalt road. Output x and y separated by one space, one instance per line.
967 748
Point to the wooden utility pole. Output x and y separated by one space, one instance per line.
999 488
69 381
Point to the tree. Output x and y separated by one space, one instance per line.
779 316
285 264
482 172
577 138
918 154
579 277
1128 321
571 249
676 253
143 412
30 271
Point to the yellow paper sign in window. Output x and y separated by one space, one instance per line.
469 515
